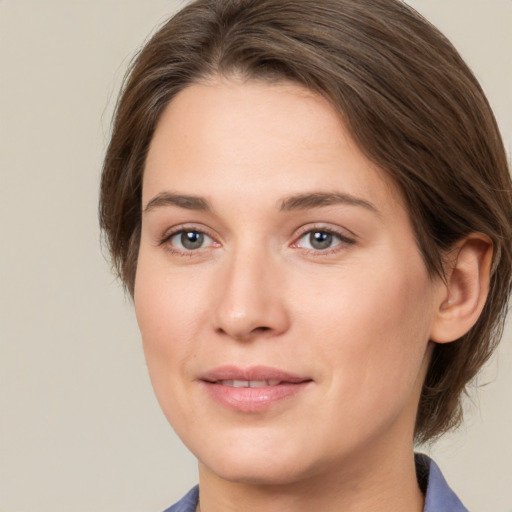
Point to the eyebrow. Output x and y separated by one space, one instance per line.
304 201
180 200
319 199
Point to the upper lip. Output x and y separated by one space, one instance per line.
252 373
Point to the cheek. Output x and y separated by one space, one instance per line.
372 330
168 311
167 304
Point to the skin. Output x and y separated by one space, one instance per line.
354 318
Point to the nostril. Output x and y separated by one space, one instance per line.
249 334
261 329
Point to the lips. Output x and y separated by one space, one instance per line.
254 389
249 383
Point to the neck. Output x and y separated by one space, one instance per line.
372 484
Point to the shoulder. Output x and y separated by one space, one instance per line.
438 495
188 503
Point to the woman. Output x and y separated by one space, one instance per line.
310 205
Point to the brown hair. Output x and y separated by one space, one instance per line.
410 102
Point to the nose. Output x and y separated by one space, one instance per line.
252 297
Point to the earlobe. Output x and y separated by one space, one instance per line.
464 292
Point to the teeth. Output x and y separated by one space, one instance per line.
249 383
258 383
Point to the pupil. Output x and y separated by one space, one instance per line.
192 239
320 240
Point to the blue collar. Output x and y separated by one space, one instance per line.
438 496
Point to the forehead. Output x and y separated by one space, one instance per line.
281 137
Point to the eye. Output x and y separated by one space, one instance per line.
321 240
189 240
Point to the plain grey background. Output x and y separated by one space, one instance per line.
79 426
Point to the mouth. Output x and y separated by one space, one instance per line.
248 383
254 389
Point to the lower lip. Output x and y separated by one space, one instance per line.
253 399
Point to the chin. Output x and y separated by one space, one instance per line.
256 463
257 473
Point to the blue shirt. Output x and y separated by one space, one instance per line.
438 496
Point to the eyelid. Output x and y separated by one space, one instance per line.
187 226
345 236
343 233
164 239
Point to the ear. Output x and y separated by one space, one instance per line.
463 294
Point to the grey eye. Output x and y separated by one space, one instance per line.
320 240
190 240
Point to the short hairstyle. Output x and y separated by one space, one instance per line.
410 102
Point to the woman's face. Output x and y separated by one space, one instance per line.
284 307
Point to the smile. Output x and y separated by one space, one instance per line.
249 383
252 390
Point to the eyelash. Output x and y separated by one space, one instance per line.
165 241
344 240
